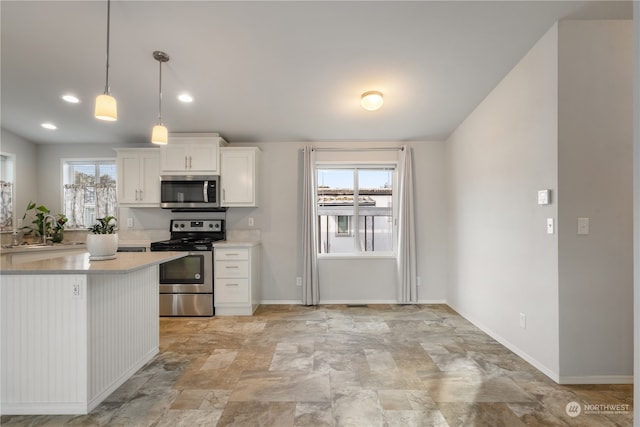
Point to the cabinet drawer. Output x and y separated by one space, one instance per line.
231 254
232 269
231 291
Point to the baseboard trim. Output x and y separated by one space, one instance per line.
326 302
596 379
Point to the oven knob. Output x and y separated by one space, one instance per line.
181 225
175 225
197 276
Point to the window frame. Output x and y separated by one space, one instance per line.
12 158
355 235
65 173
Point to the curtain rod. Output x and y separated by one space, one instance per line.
360 149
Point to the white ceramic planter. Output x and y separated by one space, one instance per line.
102 246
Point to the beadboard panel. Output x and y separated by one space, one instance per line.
44 343
123 328
63 353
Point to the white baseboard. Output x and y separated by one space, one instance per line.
597 379
298 302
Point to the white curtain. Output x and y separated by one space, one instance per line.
407 271
6 205
83 204
106 200
310 278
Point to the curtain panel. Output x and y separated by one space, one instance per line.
407 280
310 278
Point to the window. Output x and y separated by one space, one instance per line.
355 209
89 191
6 191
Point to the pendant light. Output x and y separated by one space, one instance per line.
160 135
106 108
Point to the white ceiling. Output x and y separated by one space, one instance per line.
265 71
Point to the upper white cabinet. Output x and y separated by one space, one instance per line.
138 176
191 154
239 176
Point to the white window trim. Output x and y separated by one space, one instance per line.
357 254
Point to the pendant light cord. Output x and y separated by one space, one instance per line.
160 96
106 84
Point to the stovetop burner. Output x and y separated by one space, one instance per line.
189 235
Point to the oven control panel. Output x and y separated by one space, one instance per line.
188 225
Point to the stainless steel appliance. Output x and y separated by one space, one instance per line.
186 284
189 192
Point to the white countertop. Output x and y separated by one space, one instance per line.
80 263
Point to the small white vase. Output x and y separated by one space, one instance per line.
102 246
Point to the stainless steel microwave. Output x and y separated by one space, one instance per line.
189 192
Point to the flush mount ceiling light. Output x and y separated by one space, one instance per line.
49 126
160 134
371 100
106 108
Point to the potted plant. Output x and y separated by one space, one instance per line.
102 240
53 228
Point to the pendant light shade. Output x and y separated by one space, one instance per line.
106 108
160 135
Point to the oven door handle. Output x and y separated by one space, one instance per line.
205 193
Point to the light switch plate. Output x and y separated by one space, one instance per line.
583 226
544 197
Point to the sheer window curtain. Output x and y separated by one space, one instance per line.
6 205
75 203
406 261
310 278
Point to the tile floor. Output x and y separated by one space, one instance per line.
382 365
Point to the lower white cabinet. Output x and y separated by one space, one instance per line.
236 285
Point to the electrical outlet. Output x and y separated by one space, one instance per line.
250 222
75 290
129 222
523 321
298 281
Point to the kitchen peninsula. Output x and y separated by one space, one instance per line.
73 330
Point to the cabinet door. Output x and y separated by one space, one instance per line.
128 177
174 158
150 177
203 157
238 179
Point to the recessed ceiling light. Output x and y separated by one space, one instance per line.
185 97
49 126
72 99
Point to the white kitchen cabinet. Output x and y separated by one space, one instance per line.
236 285
239 176
138 177
191 153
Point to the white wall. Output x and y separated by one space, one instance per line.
346 280
502 261
595 173
561 119
636 208
25 152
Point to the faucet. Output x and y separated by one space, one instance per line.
44 227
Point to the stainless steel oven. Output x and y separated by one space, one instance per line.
186 284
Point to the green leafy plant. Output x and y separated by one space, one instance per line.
37 214
106 225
